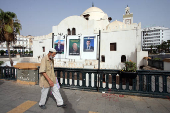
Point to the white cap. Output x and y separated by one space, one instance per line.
52 50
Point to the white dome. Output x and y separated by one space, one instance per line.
92 9
95 13
116 24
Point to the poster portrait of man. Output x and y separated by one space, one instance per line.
74 47
88 44
59 46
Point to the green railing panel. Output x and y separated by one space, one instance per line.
120 83
107 82
89 80
113 81
95 80
64 78
134 85
141 83
127 84
68 78
78 79
72 79
164 84
84 80
101 81
157 83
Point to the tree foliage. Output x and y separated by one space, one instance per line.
9 28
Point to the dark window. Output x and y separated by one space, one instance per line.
103 58
123 58
68 31
112 46
43 49
73 31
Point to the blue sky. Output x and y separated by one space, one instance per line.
38 16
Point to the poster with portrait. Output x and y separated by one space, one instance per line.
74 46
88 44
59 46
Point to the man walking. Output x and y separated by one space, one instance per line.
48 79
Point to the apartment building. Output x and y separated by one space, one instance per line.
23 44
154 36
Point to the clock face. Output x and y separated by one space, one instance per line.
128 21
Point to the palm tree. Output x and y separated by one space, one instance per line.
164 46
158 48
168 41
151 48
9 28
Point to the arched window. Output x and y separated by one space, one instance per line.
73 31
123 58
68 31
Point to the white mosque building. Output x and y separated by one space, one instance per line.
76 39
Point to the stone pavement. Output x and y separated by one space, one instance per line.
17 98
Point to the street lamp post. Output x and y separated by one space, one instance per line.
99 59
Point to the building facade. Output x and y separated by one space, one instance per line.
154 36
23 44
119 41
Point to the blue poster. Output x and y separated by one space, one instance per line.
59 46
88 44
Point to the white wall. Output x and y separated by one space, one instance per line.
166 66
126 45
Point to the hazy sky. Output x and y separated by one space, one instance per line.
38 16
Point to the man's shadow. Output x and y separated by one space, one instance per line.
67 109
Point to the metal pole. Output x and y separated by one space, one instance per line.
52 39
99 60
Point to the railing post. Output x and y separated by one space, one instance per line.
164 83
1 72
89 80
113 81
84 80
156 83
58 76
4 72
107 82
134 84
78 79
68 78
148 83
72 79
120 82
101 81
10 72
140 83
127 83
95 80
63 78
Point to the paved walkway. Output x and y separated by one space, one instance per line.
17 98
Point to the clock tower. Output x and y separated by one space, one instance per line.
128 17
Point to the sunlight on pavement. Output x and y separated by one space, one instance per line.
23 107
93 112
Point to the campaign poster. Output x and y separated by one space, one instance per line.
74 46
59 46
88 44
